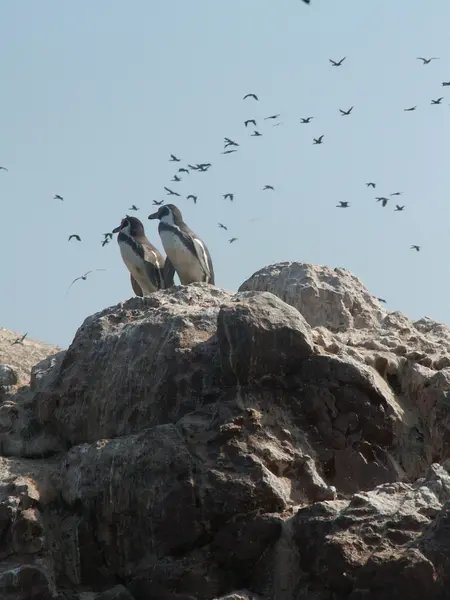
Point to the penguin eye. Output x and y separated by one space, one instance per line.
125 223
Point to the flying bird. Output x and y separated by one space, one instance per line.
345 113
183 170
221 226
268 187
229 142
250 96
19 340
228 197
438 101
176 178
248 121
337 63
342 205
228 151
256 134
108 235
318 140
426 61
398 208
371 184
410 109
105 241
414 247
271 117
3 169
307 120
445 83
58 197
74 235
192 197
233 239
173 158
157 203
396 194
170 192
383 200
83 277
133 207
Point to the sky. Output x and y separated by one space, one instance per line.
95 96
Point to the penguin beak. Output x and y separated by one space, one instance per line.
153 216
116 230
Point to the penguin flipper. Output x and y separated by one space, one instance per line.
136 287
168 274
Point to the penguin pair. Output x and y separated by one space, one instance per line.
185 253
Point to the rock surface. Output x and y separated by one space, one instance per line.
285 442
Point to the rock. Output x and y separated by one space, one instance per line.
288 441
8 376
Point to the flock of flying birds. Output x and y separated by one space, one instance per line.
230 147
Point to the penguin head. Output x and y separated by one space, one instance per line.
130 226
169 214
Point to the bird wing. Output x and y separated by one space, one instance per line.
154 265
168 274
136 287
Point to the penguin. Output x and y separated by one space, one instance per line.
142 259
186 253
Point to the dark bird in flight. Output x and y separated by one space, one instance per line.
318 140
133 207
306 1
3 169
221 226
228 197
232 240
229 142
74 235
58 197
176 178
183 170
248 121
342 205
271 117
414 247
193 167
250 96
382 199
105 241
445 83
203 166
256 134
345 113
157 203
268 187
83 277
192 197
173 158
337 63
438 101
398 208
228 151
19 340
396 194
307 120
381 300
108 236
170 192
371 184
427 61
410 109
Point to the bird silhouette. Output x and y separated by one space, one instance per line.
221 226
345 113
176 178
74 235
250 121
250 96
438 101
342 205
371 184
157 202
318 140
105 241
170 192
414 247
396 194
256 134
58 197
108 236
19 340
233 239
426 61
183 170
382 199
229 151
83 277
307 120
399 208
173 158
228 197
445 83
133 207
268 187
337 63
229 142
3 169
271 117
410 109
192 197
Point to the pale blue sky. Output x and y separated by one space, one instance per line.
96 95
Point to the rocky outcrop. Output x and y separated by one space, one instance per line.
288 441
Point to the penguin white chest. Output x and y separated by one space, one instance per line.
136 266
186 263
